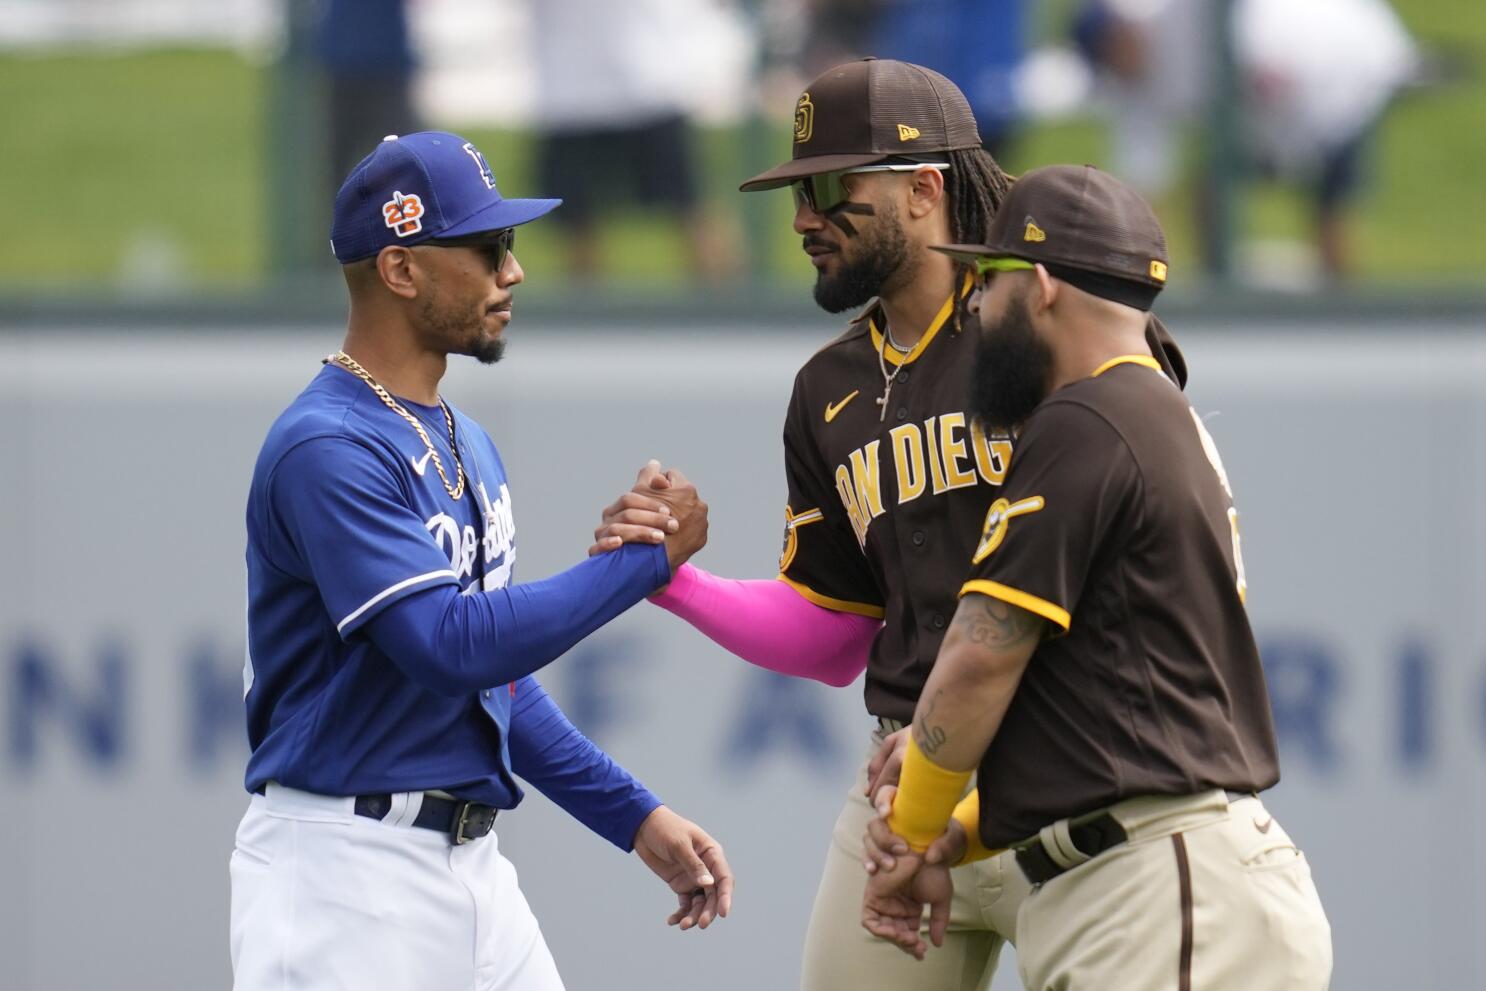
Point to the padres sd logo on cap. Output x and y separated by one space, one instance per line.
804 118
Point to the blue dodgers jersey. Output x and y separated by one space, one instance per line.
346 516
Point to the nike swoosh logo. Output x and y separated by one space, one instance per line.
1264 827
420 465
833 408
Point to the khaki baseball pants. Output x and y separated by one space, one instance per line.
842 956
1207 895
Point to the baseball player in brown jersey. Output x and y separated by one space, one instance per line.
1100 673
888 480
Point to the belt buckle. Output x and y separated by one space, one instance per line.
461 820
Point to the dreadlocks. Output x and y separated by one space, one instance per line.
975 186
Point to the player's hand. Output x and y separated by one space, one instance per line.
635 517
882 847
677 492
894 901
887 763
691 863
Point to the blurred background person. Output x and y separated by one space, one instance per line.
1315 78
1312 81
366 52
1153 70
613 104
977 43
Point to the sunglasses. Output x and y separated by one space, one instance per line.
828 190
495 246
986 266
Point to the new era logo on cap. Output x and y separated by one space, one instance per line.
906 133
417 187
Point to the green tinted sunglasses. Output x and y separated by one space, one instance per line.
827 191
985 266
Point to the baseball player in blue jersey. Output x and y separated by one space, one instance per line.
391 703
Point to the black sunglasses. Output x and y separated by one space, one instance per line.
495 245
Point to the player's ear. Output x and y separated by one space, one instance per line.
925 192
397 269
1045 293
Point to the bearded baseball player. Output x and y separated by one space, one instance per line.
888 479
390 695
1100 678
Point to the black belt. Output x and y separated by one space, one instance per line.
1090 838
462 821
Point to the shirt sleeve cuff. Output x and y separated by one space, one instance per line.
628 826
1049 611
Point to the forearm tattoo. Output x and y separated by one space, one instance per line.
926 732
994 624
989 623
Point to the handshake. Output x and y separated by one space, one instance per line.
663 507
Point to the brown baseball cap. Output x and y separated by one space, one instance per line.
863 112
1085 226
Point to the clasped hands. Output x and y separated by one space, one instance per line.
902 883
663 507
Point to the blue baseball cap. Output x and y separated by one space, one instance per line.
417 187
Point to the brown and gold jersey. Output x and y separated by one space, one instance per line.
1116 524
885 500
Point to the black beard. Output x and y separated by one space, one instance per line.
487 351
883 251
1011 371
444 324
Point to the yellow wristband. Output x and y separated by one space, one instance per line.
927 794
967 814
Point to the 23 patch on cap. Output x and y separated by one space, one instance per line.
404 214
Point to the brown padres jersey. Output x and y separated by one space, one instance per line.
884 510
1116 524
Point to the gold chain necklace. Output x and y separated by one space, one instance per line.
455 491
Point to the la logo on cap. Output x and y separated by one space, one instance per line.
1033 232
404 214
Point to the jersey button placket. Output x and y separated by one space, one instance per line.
937 622
918 538
902 413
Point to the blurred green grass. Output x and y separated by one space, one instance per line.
134 169
117 166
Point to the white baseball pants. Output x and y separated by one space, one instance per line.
325 899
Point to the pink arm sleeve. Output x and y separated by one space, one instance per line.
767 623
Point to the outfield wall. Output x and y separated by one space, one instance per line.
1357 461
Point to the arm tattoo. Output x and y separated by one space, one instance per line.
930 737
994 624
